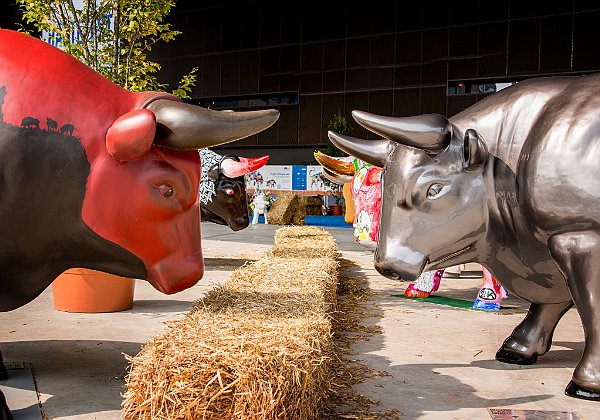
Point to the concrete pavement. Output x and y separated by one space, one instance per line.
428 362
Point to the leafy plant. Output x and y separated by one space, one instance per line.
111 36
340 125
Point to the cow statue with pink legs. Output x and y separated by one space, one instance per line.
513 183
111 185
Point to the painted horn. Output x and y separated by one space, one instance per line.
375 152
336 178
429 132
339 166
188 127
232 168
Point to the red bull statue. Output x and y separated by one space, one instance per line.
95 176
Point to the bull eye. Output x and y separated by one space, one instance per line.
433 190
166 190
228 191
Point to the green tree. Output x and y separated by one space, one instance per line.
111 36
340 125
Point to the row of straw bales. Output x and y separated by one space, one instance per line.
257 347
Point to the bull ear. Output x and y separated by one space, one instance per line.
474 150
375 152
184 126
131 135
335 178
240 166
339 166
213 172
375 175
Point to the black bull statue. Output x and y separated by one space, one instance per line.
513 182
223 198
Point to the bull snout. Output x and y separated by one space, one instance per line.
239 223
399 263
387 270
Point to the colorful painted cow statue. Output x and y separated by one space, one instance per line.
513 183
114 189
223 197
365 190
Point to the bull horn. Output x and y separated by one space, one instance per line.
336 178
232 168
429 132
187 127
336 165
375 152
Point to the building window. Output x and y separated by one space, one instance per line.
476 87
248 101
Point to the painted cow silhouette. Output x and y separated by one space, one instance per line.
67 129
2 96
122 197
30 122
51 124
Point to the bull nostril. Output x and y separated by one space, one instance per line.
384 270
391 274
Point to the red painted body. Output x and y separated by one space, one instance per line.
125 200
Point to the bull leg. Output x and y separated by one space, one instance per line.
4 411
577 254
533 336
3 372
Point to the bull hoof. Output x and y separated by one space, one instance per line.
515 359
576 391
3 372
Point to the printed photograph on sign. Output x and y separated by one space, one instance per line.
315 180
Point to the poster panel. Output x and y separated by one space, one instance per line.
271 177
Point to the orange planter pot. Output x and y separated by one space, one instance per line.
335 210
84 290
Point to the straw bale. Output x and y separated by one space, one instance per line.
305 241
257 347
313 205
283 209
299 216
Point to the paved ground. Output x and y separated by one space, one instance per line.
432 362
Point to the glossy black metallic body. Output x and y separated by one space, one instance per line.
513 182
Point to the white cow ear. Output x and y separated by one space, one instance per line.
474 150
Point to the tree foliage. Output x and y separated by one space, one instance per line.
111 36
340 125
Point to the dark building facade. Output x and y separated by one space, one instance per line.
312 59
